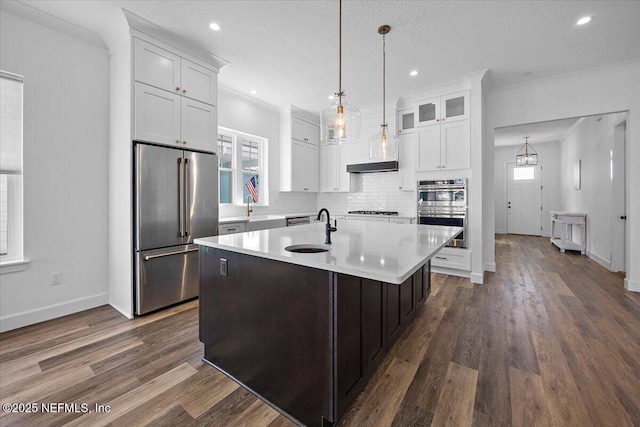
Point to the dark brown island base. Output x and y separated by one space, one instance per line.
304 339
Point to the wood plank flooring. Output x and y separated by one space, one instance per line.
550 339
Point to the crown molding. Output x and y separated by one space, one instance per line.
618 67
46 20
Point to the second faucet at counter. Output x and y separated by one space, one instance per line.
329 228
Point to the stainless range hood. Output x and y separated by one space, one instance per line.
390 166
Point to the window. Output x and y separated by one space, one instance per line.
522 173
10 168
242 157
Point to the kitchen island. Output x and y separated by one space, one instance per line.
305 331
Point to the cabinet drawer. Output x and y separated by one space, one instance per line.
230 228
459 259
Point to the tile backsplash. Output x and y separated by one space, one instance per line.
371 191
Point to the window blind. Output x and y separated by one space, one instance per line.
10 123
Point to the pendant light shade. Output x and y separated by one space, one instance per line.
527 155
383 146
340 124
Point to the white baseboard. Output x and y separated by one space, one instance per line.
490 266
632 285
123 312
31 317
500 231
602 262
477 278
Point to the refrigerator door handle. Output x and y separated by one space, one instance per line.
150 257
180 222
187 198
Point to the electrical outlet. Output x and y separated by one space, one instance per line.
56 278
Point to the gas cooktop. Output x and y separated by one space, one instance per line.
373 212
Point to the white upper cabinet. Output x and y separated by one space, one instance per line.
198 125
406 120
333 169
174 99
198 82
299 152
157 115
444 147
168 118
156 67
304 170
443 109
165 70
406 162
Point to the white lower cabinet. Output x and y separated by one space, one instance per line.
166 118
455 258
232 227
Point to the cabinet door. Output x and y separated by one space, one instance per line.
343 177
298 129
406 162
198 82
455 145
428 149
198 125
454 107
156 67
428 112
304 166
312 157
312 133
406 121
157 115
329 168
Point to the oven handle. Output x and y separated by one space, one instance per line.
462 216
429 188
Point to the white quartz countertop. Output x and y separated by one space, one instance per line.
378 251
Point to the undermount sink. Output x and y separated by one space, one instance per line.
307 248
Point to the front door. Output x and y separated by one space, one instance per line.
524 199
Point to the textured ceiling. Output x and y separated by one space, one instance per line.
287 50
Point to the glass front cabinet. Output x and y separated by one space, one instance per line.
406 121
442 109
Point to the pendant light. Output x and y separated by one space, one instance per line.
340 122
527 155
383 146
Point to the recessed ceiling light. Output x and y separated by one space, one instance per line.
331 97
253 91
413 73
214 26
583 20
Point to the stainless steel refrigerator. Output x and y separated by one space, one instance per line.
175 201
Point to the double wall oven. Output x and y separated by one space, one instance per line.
444 202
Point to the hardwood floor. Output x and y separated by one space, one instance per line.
549 339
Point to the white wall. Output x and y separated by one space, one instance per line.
66 83
549 157
604 90
246 114
591 141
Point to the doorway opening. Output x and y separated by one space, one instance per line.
599 146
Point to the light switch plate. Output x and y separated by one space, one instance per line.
223 267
